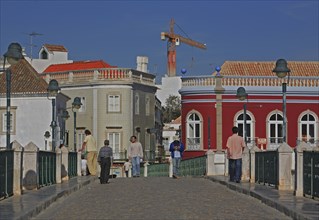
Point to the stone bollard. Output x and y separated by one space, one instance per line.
245 165
215 163
284 163
30 163
79 163
65 163
17 167
58 165
170 167
226 164
253 150
145 168
299 167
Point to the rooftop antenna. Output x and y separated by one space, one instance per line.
32 34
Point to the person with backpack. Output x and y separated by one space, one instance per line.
176 148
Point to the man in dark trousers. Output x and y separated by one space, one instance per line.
105 160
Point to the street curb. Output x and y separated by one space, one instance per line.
32 212
266 200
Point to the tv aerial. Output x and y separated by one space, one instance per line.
32 34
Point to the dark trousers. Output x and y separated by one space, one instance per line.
235 169
105 169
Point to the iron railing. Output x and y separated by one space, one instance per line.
158 169
311 173
72 164
193 166
266 167
47 168
6 173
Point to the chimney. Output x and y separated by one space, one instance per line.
142 63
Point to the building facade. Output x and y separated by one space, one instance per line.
210 107
116 103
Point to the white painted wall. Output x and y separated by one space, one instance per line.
169 86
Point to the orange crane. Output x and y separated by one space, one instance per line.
173 41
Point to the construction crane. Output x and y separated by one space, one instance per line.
173 41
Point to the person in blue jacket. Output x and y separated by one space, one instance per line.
176 148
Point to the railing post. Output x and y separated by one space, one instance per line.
79 163
65 164
17 168
58 165
170 167
299 167
215 162
284 167
253 151
145 168
30 163
245 165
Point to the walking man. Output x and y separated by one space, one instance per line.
176 148
89 145
135 155
105 160
235 146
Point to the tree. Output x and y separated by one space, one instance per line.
172 109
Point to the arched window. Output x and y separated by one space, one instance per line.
308 128
44 55
275 135
193 132
249 127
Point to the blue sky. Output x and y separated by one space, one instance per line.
118 31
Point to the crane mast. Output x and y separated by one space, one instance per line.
174 40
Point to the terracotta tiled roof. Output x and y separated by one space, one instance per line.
79 65
59 48
24 80
177 120
258 68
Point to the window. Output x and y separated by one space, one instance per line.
249 127
114 138
81 137
275 134
83 106
113 103
193 132
137 104
308 128
44 55
147 105
4 122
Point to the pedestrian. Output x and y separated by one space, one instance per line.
176 148
135 155
235 146
127 167
83 165
105 160
89 146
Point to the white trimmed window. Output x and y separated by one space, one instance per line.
137 104
4 122
115 139
193 132
308 128
83 106
275 135
249 127
114 103
147 106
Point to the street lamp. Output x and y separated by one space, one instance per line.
75 106
242 95
65 116
53 90
281 71
13 56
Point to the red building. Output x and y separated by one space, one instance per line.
210 107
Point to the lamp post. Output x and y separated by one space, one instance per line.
53 90
13 56
75 106
281 71
65 115
242 95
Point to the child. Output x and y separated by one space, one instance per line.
127 166
83 165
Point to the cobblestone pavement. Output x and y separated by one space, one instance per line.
159 198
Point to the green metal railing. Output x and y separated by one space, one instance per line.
158 169
193 166
6 173
47 168
266 167
72 164
311 173
188 167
